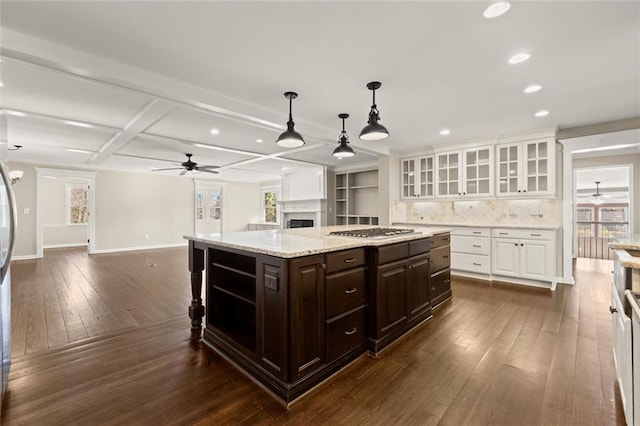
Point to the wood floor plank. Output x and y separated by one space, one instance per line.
496 354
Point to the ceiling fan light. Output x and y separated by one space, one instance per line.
290 138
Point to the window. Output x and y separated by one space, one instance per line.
77 204
270 212
614 221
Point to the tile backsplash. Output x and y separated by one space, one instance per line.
541 212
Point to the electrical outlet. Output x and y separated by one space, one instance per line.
146 236
27 211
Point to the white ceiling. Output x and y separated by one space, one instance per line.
154 77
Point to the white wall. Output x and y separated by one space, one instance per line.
56 232
130 205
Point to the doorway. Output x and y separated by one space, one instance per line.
603 209
65 206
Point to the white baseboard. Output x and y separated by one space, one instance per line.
160 246
24 257
65 245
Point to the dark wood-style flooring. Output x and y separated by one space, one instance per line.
104 339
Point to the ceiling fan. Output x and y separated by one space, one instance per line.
189 166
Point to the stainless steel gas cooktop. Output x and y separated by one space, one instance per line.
372 232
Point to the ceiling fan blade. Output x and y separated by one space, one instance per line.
184 172
170 168
204 166
208 171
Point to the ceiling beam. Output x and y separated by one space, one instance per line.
145 118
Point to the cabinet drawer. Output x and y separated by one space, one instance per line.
530 234
471 262
440 240
345 291
440 287
440 259
392 252
471 232
471 245
346 259
345 333
419 246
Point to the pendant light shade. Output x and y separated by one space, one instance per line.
343 150
597 197
374 131
290 138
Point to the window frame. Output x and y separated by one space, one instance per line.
67 203
263 208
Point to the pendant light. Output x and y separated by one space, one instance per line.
343 150
374 131
290 138
597 197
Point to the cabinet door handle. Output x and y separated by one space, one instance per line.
524 190
477 246
349 260
350 332
612 309
351 290
521 245
515 244
433 288
477 264
323 265
446 281
519 190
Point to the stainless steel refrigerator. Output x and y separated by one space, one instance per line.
7 240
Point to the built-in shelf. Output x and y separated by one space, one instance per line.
357 198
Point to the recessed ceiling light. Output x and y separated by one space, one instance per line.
16 113
215 131
1 84
81 151
259 140
78 124
497 9
520 57
542 113
445 132
532 88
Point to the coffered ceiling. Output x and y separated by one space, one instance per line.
152 79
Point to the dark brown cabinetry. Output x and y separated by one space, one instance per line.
402 290
291 323
440 280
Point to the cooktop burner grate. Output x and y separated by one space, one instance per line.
372 232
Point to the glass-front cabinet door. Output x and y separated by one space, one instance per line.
409 178
537 167
508 170
417 177
448 174
478 171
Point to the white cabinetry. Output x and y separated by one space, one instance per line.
307 184
470 251
523 253
465 173
417 177
357 198
622 352
526 168
635 351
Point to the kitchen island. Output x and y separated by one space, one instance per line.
291 307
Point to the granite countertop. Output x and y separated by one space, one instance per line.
632 242
471 225
288 243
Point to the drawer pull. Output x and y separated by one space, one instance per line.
433 288
477 264
477 232
503 233
445 257
477 246
351 290
612 309
445 239
350 332
536 235
349 260
447 281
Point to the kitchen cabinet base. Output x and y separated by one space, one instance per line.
375 346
